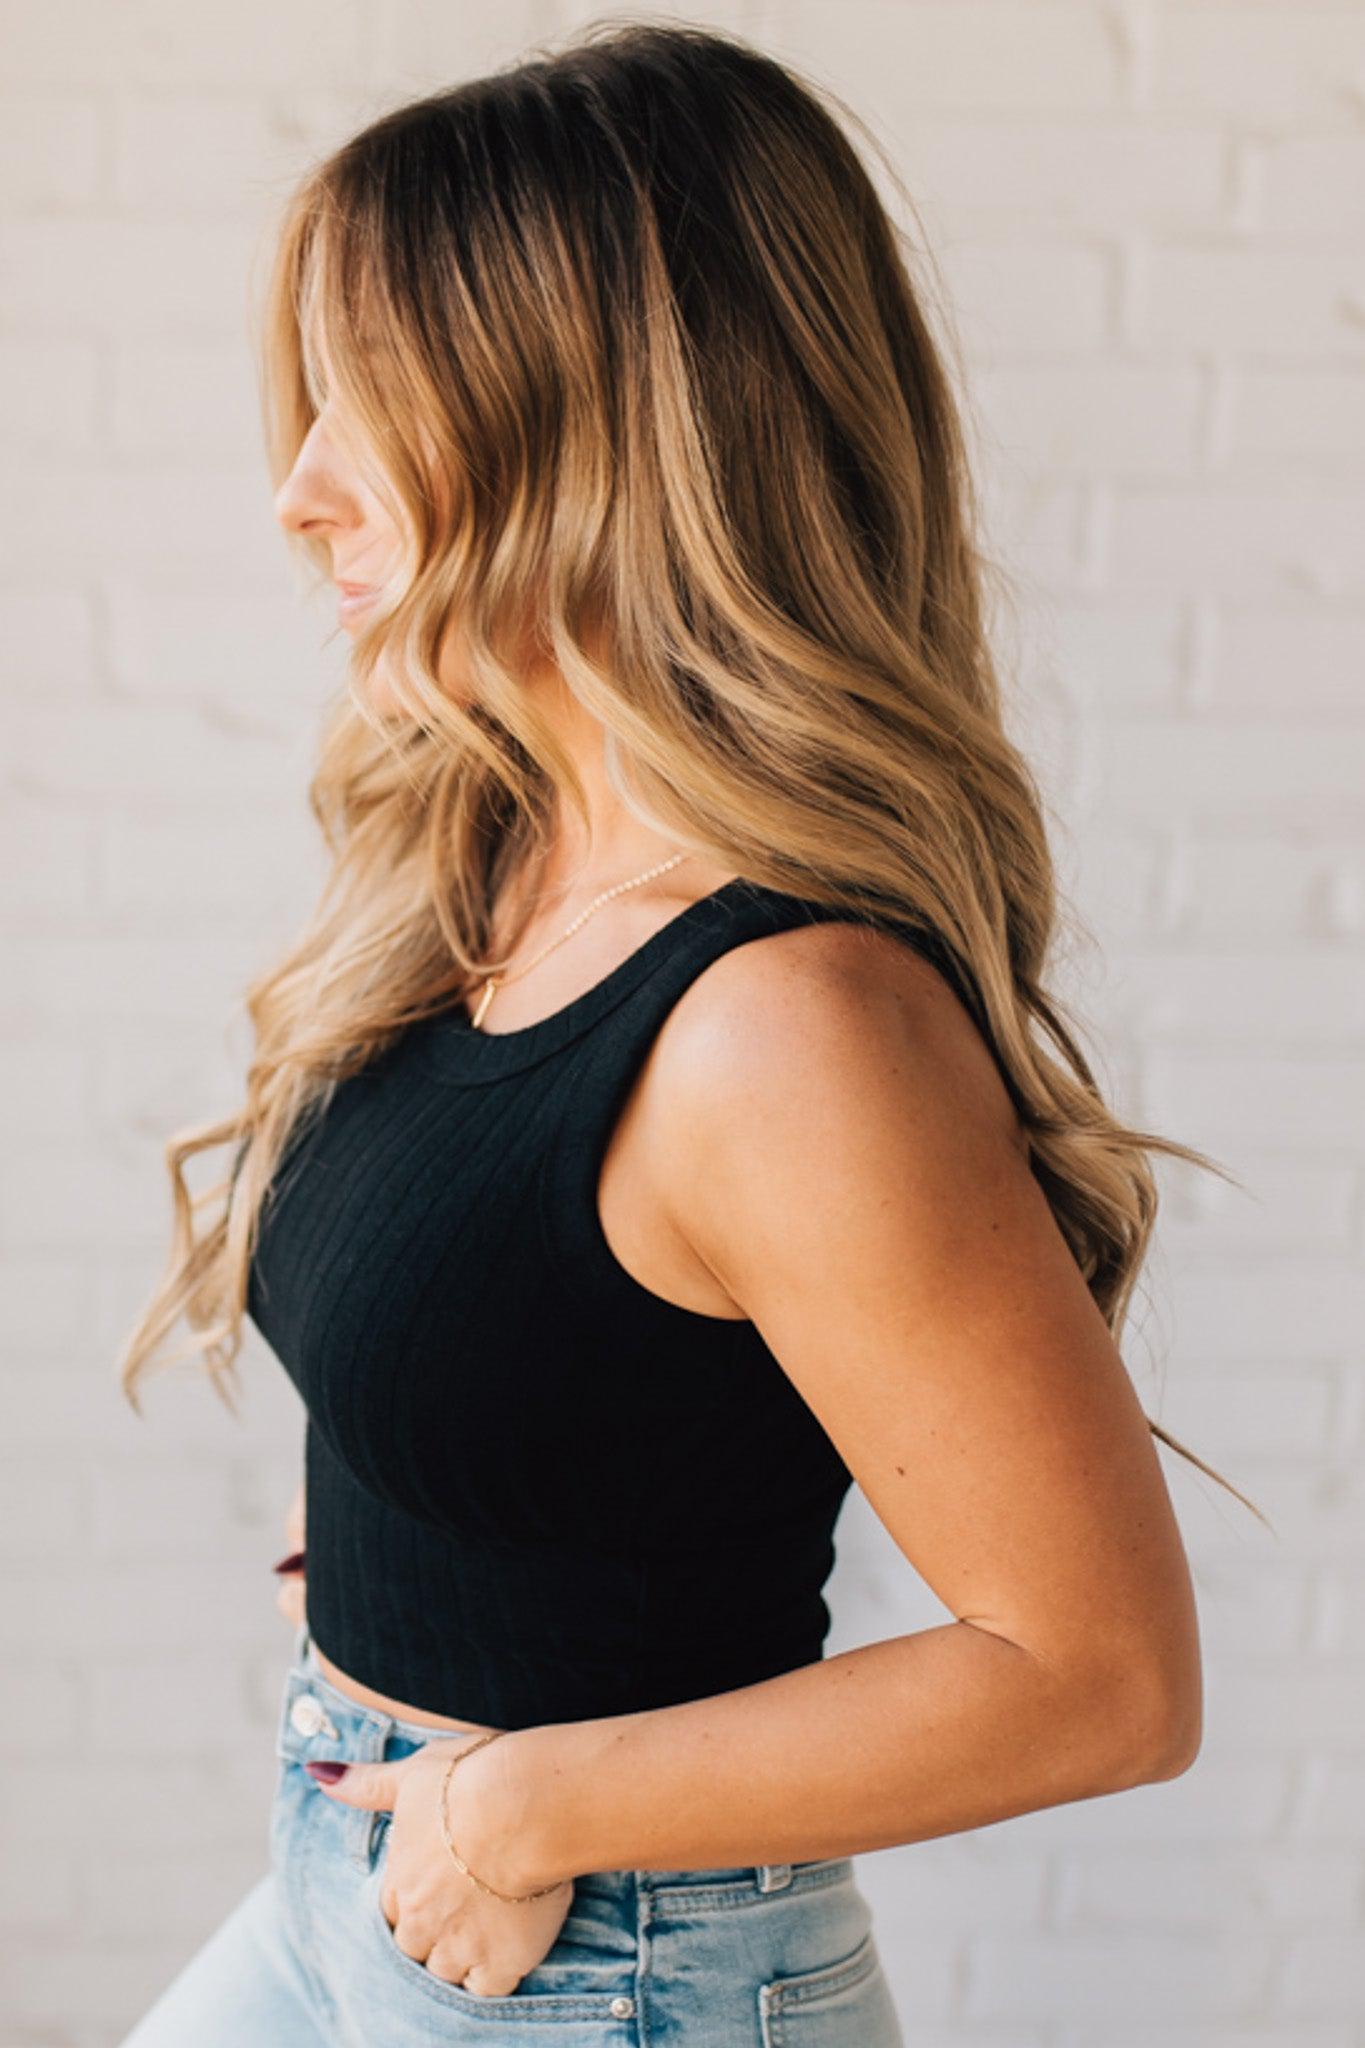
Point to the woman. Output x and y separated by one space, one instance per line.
648 1137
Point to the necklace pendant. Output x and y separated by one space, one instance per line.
495 981
485 998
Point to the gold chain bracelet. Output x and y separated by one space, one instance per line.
509 1898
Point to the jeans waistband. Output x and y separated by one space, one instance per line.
318 1720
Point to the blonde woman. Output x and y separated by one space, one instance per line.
663 1122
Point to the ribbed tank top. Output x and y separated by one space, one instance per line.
536 1490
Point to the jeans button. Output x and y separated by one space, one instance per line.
306 1714
622 2008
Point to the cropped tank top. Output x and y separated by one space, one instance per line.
536 1490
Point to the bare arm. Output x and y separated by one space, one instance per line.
840 1152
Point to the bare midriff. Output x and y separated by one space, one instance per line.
381 1703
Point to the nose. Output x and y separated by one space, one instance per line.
313 494
306 501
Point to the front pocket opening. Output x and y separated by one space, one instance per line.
602 2007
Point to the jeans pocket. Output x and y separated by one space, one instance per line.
839 2002
585 1976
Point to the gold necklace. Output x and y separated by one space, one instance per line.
495 982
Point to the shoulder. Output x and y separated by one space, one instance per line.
810 1085
839 1014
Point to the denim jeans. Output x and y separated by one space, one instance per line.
756 1956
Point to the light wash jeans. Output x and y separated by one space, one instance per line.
765 1956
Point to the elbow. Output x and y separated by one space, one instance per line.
1179 1745
1162 1724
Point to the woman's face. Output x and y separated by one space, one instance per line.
325 497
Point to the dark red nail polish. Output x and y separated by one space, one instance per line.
292 1563
327 1771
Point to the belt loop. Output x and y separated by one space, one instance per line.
773 1876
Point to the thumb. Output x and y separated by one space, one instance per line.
372 1786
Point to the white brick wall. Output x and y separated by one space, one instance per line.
1150 219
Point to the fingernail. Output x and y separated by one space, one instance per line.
327 1772
292 1563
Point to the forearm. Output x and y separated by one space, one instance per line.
922 1735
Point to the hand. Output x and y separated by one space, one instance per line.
436 1915
290 1598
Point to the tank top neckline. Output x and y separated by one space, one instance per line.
463 1051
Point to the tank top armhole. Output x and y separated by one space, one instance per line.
570 1226
594 1088
596 1083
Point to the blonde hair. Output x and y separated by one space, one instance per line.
622 333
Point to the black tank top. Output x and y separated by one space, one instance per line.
536 1490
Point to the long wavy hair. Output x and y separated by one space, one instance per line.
623 336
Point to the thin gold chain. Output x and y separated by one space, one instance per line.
495 982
